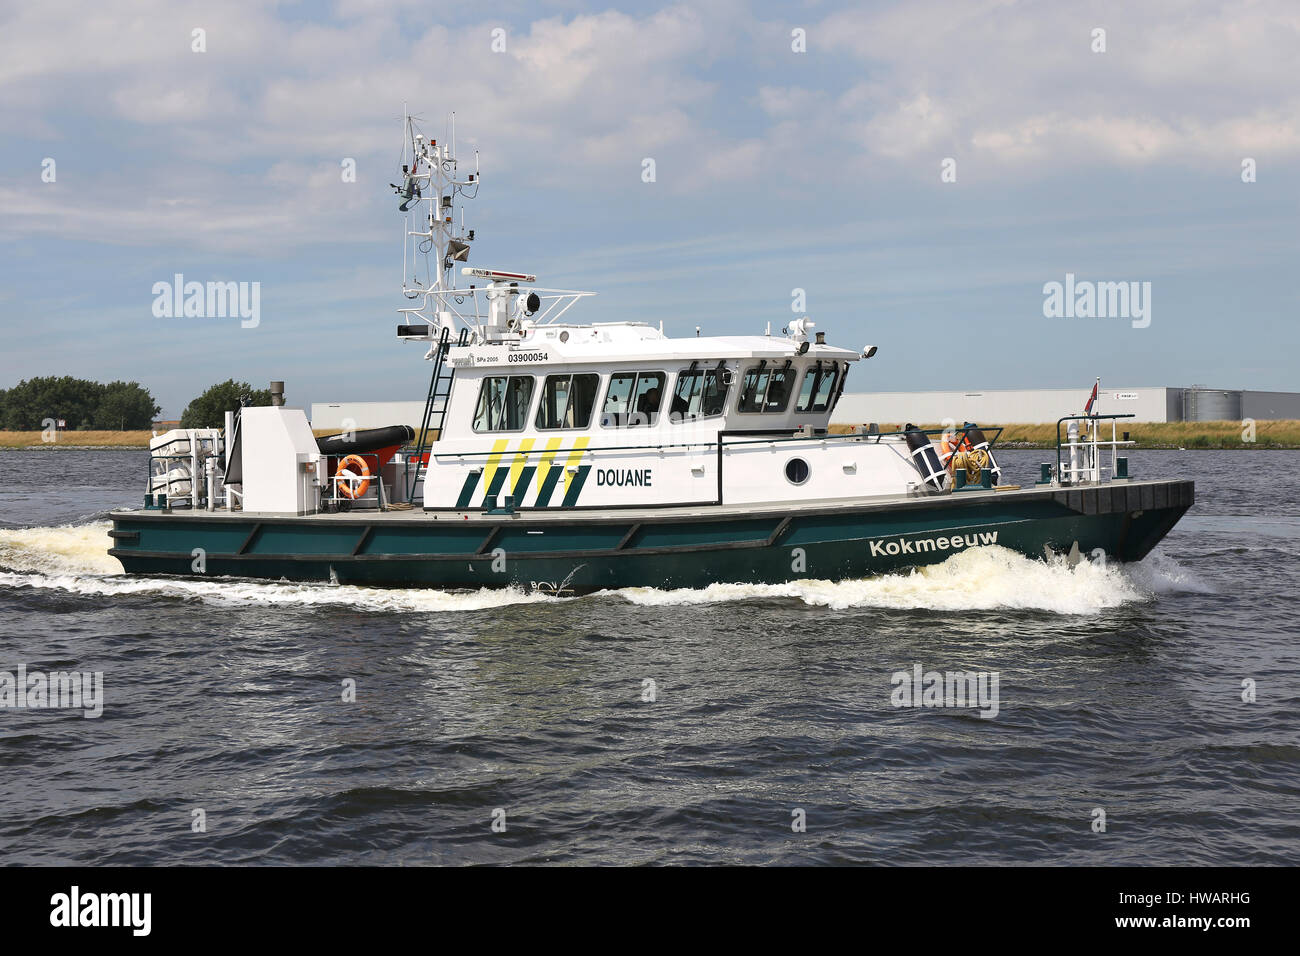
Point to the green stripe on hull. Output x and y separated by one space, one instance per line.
498 479
467 490
548 485
521 486
575 487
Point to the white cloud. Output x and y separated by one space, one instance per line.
249 135
1018 82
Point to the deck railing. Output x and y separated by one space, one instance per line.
1085 456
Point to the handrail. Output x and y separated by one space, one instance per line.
333 495
557 302
1088 418
997 432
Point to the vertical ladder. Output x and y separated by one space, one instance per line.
439 390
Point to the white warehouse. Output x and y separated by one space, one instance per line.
1044 405
1001 405
338 416
1022 406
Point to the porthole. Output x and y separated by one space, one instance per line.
796 471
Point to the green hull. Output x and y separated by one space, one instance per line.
589 551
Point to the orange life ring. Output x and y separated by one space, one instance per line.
344 483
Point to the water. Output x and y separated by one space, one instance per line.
1120 689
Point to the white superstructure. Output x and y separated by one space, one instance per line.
544 412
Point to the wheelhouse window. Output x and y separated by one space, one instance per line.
700 393
766 388
633 398
818 389
503 402
567 401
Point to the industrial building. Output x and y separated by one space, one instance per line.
1042 405
991 405
339 416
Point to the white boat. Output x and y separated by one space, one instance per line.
573 456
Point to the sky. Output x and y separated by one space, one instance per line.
921 170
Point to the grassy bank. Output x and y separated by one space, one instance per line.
1279 434
76 439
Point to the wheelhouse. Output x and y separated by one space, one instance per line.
727 385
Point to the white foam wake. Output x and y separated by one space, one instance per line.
978 579
66 549
74 558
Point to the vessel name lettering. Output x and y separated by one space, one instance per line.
904 546
624 477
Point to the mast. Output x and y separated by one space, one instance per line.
431 186
432 196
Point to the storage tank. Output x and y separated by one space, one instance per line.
1212 405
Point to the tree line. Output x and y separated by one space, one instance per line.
113 406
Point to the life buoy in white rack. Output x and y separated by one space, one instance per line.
352 484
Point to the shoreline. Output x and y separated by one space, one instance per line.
1279 435
1282 435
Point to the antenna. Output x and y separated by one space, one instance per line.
430 174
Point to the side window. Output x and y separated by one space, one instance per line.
583 402
503 403
633 398
717 383
700 393
617 398
766 389
779 389
567 401
753 389
839 389
686 396
818 388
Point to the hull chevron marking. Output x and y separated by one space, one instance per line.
520 488
498 480
575 488
544 464
575 456
494 461
517 466
467 490
548 486
546 482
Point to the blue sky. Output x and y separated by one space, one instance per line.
775 170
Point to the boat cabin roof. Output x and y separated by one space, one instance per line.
635 343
